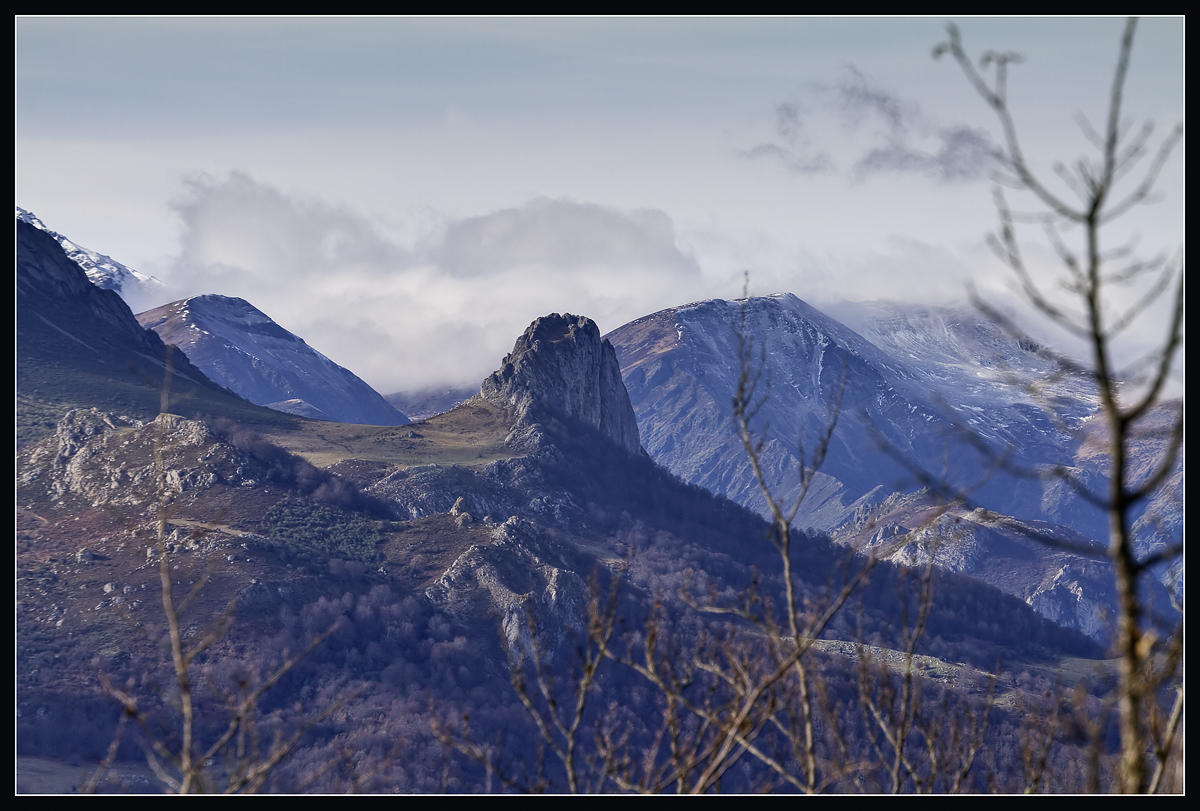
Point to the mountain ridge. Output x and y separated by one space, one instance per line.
561 366
79 344
240 347
922 396
135 287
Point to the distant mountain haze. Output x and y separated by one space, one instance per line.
429 401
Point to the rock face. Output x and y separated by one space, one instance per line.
105 459
238 346
1031 561
521 573
562 368
1067 597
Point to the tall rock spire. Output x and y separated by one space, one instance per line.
562 367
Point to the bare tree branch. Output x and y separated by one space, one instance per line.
1121 149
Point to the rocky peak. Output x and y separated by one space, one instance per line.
562 367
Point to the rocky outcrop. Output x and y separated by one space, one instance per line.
105 459
948 541
520 574
561 368
424 490
523 486
1068 596
1035 562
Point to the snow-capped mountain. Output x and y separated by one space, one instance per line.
914 389
973 365
138 289
898 408
240 347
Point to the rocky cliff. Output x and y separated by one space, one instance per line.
106 459
561 368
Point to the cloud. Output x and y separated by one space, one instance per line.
959 154
874 131
857 99
898 269
795 150
562 236
441 307
247 234
792 159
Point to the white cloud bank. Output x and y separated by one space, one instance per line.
443 310
441 301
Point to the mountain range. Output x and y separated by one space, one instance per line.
236 345
78 345
442 563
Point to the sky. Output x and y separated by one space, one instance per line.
408 193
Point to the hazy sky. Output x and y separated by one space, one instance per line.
408 193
